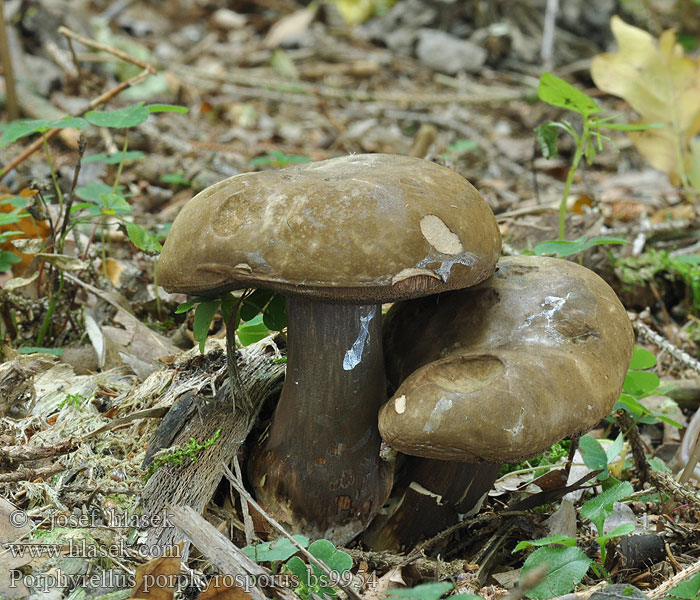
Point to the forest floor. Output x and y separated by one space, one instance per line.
95 354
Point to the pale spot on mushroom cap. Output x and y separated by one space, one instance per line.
439 235
400 404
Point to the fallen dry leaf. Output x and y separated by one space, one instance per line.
156 579
663 86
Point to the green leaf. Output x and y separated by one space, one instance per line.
203 316
657 464
7 259
689 589
177 178
254 304
600 507
119 119
24 127
639 383
275 313
112 203
557 92
642 359
277 550
40 350
620 530
335 559
228 304
142 239
92 191
297 567
424 591
459 147
159 108
114 158
566 568
615 448
252 331
183 307
560 538
547 135
593 453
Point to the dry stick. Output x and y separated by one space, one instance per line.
662 591
320 564
692 461
105 48
7 69
247 519
664 481
661 342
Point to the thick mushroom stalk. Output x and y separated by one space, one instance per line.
319 470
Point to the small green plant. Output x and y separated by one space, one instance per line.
589 142
75 400
567 564
177 456
459 148
430 591
260 311
177 178
564 248
279 159
309 580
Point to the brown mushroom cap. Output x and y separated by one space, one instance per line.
367 228
501 371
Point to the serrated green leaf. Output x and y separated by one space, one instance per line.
203 316
600 507
639 383
557 92
119 119
642 359
142 239
424 591
560 538
566 568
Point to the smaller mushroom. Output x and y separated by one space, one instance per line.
493 374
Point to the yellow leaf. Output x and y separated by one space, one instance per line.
663 86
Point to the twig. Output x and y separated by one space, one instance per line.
661 342
105 48
30 474
662 590
665 482
320 564
247 520
689 469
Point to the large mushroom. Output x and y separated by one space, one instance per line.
493 374
338 238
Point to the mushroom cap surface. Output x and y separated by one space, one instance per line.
503 370
366 228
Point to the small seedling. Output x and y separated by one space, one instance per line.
177 456
557 92
567 564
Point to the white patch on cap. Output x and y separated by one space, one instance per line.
439 235
400 404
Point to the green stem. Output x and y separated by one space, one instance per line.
49 313
580 150
121 162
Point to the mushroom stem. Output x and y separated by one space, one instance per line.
319 470
443 490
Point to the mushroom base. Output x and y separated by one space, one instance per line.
433 495
319 471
